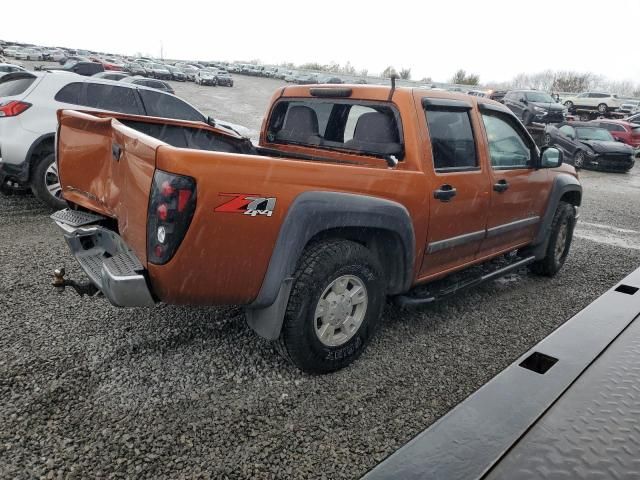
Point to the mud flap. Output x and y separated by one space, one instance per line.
267 322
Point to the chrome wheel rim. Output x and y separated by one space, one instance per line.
602 108
561 242
340 310
52 181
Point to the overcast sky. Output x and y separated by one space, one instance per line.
495 38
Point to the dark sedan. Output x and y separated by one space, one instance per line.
589 146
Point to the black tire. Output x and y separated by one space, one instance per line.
569 105
319 267
547 139
578 160
559 244
41 178
602 108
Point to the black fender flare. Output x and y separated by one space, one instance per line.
562 184
310 214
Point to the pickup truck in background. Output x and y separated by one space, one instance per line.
353 194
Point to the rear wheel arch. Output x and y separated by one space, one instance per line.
379 224
41 148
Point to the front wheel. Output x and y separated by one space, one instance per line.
45 183
602 108
335 305
569 105
578 160
559 244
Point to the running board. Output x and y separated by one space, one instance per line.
408 301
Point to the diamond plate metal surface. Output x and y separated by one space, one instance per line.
593 430
76 218
123 264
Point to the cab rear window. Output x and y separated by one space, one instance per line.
362 127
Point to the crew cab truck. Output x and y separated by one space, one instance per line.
353 194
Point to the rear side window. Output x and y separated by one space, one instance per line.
17 86
363 127
113 98
160 104
452 142
70 93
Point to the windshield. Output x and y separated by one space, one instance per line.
590 133
541 97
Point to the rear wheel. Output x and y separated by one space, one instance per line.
335 305
569 105
559 244
45 183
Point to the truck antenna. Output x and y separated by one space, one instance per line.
393 76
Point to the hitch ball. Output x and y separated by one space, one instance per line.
58 278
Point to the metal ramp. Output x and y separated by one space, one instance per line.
568 408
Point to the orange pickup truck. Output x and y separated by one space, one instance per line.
352 195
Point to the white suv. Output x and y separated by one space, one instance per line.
601 101
28 106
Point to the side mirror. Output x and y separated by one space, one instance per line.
550 157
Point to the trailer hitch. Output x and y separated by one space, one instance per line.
82 289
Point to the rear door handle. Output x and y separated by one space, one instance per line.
445 193
116 151
501 186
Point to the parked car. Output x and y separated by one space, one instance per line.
588 146
534 106
190 71
224 78
116 76
11 50
135 68
159 71
630 106
306 79
9 68
497 95
177 74
621 130
150 82
111 64
336 234
28 105
329 79
206 77
29 54
633 119
602 101
86 68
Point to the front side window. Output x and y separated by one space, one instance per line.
363 127
507 147
452 143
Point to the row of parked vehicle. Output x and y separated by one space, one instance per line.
288 75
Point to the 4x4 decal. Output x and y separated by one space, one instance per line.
248 204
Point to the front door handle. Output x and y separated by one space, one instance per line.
445 193
501 186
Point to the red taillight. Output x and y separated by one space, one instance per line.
172 203
13 108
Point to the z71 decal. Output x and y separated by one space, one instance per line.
248 204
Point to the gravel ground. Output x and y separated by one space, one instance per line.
88 390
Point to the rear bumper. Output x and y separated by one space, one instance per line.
107 260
